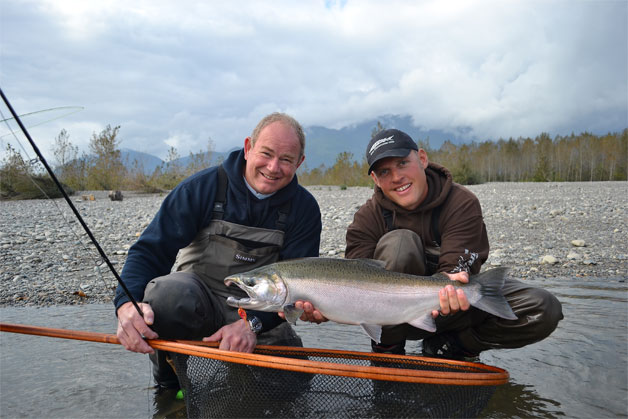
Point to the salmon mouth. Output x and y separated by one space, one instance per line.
245 302
262 293
241 302
252 302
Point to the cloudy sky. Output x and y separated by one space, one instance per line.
176 73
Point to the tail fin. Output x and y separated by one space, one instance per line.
492 300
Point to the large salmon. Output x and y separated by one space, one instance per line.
361 291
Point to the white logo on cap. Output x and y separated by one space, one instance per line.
381 142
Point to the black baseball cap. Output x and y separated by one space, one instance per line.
388 143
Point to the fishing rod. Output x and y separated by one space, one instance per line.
69 201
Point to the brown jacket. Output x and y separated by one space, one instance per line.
464 242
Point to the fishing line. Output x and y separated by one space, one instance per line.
103 255
71 110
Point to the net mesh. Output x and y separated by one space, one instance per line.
432 388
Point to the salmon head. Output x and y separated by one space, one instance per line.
265 289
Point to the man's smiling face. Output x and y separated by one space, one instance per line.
402 179
274 158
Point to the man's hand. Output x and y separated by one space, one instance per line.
452 300
236 336
132 328
310 314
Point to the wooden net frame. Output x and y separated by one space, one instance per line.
264 356
281 380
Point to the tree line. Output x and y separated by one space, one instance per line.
102 169
583 157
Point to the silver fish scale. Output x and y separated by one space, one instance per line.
361 273
359 291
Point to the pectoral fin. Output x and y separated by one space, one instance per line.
425 322
292 313
373 330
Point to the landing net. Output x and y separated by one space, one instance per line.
278 382
282 382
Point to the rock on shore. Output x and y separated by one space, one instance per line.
537 229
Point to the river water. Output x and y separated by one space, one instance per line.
580 371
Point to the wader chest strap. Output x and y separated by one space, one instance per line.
434 225
221 195
282 216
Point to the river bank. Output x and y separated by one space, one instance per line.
539 230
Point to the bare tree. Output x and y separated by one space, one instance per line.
107 171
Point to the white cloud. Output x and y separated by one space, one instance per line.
181 72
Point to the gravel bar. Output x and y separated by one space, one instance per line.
539 230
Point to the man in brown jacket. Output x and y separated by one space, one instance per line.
420 222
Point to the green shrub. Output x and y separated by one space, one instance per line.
24 186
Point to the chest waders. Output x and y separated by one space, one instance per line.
224 248
219 250
431 250
405 251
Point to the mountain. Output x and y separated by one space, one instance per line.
217 157
322 145
147 161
